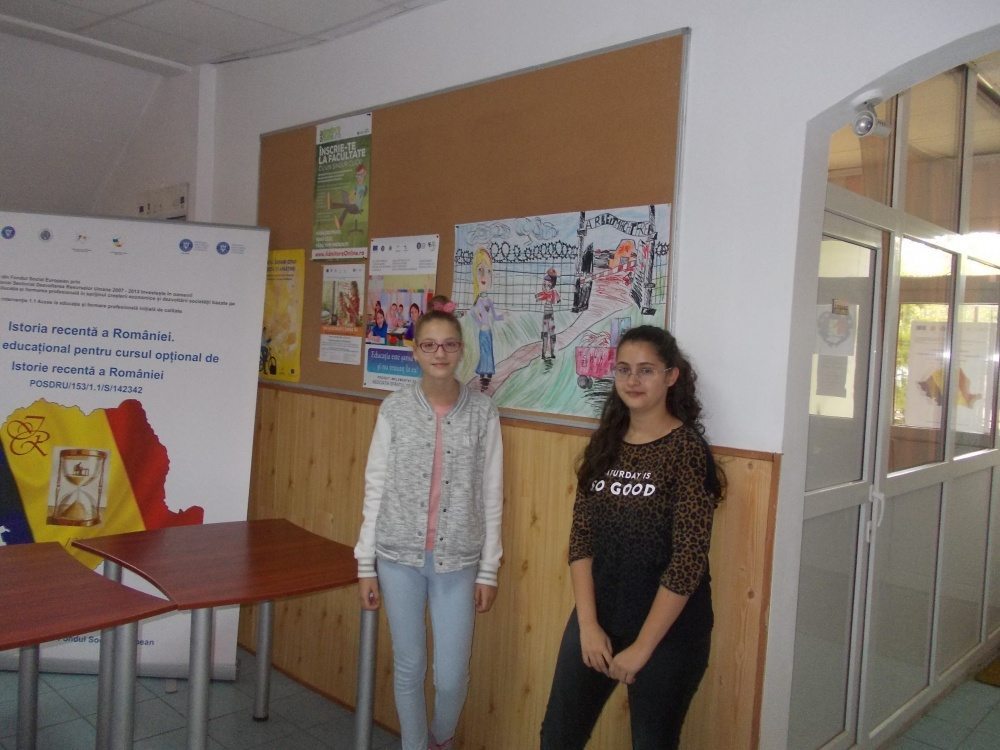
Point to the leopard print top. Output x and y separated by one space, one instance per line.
648 523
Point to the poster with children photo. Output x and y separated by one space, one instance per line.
401 282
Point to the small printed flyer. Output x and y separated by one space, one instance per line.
402 273
340 328
341 198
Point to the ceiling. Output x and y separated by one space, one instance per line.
169 36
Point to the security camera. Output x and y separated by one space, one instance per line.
866 122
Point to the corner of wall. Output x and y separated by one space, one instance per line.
203 187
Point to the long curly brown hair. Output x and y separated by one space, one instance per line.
682 402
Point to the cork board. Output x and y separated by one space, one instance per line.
592 133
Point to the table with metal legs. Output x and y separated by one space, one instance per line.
48 595
241 562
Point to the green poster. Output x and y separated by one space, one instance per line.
343 193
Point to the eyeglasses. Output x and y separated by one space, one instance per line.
624 372
449 345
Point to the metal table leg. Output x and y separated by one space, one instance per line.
364 711
113 572
265 636
199 676
27 698
122 729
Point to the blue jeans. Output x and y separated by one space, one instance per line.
657 700
406 592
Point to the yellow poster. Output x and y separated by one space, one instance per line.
281 334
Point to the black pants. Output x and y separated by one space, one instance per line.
658 699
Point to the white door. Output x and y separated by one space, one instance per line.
840 471
895 573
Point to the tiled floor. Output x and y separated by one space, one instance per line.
968 718
299 718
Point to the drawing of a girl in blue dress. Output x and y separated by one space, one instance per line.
484 312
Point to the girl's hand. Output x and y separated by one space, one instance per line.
596 648
368 589
485 595
626 663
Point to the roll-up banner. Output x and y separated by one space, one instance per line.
129 355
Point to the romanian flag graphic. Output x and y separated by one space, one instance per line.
67 475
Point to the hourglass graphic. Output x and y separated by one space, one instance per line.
79 487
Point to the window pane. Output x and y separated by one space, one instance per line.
984 210
864 165
933 147
839 389
963 567
823 629
993 568
974 410
901 603
921 387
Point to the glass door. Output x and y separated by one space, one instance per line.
899 580
928 543
839 481
903 573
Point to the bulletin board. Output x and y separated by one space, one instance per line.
591 133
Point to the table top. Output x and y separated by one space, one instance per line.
237 562
47 595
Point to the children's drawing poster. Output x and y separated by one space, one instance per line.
544 299
402 273
341 326
281 333
342 195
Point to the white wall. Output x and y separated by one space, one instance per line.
758 72
767 82
65 120
161 148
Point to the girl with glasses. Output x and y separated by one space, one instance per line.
647 488
430 538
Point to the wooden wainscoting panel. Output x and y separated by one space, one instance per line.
309 459
311 452
515 646
725 710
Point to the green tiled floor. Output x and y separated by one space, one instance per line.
299 718
968 718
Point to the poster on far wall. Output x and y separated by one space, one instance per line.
281 332
544 300
340 325
926 383
402 273
342 195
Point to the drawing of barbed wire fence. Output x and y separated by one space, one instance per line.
544 299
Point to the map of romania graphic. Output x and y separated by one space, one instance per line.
130 489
